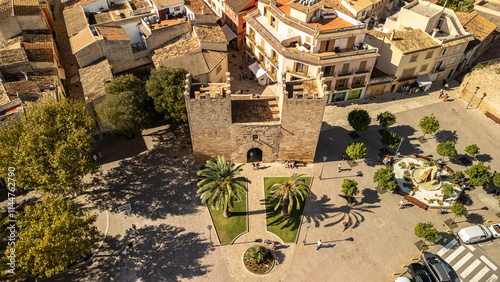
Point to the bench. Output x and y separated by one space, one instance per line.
297 163
494 118
416 202
422 157
449 169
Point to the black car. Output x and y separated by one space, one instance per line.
436 267
419 273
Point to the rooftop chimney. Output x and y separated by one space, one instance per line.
434 31
203 10
392 34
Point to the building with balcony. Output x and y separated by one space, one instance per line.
302 39
234 10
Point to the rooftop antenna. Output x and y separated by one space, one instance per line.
444 6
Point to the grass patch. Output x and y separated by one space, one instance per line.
229 228
285 228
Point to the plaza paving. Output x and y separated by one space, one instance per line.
173 241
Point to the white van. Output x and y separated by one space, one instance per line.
474 234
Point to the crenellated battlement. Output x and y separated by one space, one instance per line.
303 90
207 91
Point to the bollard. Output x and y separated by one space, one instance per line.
394 273
447 229
421 251
403 266
488 220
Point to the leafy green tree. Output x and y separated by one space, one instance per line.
479 174
221 185
390 139
386 118
359 119
49 147
356 150
166 87
447 189
426 231
290 193
124 108
350 188
429 124
496 179
51 235
447 149
472 150
385 178
256 254
459 210
458 5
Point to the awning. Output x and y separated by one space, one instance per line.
257 70
228 33
424 80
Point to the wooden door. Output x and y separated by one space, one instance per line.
322 47
331 45
350 42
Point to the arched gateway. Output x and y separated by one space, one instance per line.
254 155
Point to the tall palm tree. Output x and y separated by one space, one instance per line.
294 188
220 184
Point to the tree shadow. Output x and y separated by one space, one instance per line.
369 196
153 183
475 218
159 252
446 135
485 158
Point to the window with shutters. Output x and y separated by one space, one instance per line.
362 66
345 68
359 80
341 83
429 54
413 58
423 68
299 67
452 61
445 51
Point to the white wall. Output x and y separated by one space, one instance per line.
132 32
95 6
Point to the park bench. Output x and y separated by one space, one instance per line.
416 202
449 169
422 157
494 118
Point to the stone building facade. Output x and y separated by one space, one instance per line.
253 128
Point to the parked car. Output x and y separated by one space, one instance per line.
402 279
474 234
419 273
495 230
436 267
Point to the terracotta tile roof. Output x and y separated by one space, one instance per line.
210 34
43 78
237 5
213 58
12 56
359 5
94 79
11 42
21 86
196 5
178 48
166 3
476 24
411 40
38 36
112 33
39 52
194 63
4 98
82 39
6 10
75 20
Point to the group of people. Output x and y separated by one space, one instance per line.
290 164
256 166
443 95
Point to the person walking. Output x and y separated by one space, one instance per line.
401 203
99 155
441 94
125 252
445 98
339 168
95 158
318 245
344 155
134 228
130 245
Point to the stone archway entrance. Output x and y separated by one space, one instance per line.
254 155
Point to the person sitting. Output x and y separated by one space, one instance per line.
286 164
293 164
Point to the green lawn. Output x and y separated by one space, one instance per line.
285 228
229 228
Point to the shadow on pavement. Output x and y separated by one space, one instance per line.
446 135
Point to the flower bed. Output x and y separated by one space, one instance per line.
266 260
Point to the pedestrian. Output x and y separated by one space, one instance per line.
183 163
99 155
125 252
318 245
339 168
253 164
95 158
401 203
441 94
257 166
245 75
131 231
344 155
446 86
130 245
134 228
445 98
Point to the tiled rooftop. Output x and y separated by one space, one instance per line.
196 5
82 39
94 79
112 33
213 58
39 52
178 48
476 24
408 41
75 20
38 36
139 4
12 56
210 34
166 3
21 86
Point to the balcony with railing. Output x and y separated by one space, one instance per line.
345 73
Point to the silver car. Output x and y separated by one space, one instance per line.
436 267
474 234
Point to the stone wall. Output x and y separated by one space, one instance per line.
162 35
9 28
268 140
488 79
89 54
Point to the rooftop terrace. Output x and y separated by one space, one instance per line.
302 88
245 109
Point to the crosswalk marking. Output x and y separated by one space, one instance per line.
471 248
447 247
462 261
489 263
493 278
469 269
455 254
480 274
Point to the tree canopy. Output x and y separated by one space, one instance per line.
429 124
385 178
386 118
52 235
166 87
359 119
356 150
496 179
472 150
390 139
124 108
49 147
447 149
458 5
459 210
426 231
479 174
447 189
290 194
350 188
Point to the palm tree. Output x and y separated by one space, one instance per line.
294 187
220 185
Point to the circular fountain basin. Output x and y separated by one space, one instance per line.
424 185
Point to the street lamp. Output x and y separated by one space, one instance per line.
397 150
209 227
477 88
308 225
324 160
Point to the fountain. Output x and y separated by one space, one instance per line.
426 179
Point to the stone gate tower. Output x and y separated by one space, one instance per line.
255 128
